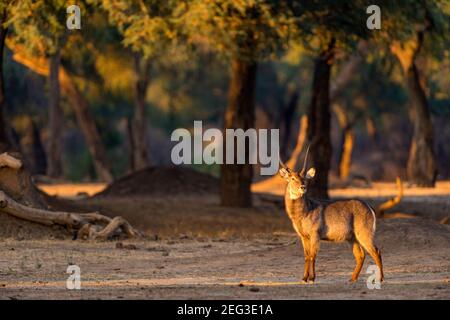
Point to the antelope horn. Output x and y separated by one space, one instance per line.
281 162
302 173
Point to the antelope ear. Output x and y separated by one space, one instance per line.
311 173
284 172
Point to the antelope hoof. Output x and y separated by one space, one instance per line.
307 281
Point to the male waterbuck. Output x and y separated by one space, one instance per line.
315 220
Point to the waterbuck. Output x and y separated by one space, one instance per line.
314 220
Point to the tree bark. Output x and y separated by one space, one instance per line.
33 150
236 179
421 166
302 131
345 157
88 127
288 114
319 123
54 168
4 141
130 144
348 70
347 140
372 129
139 127
80 105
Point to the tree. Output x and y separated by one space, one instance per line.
139 124
325 28
40 26
19 197
426 20
244 32
33 150
346 118
4 140
147 30
39 37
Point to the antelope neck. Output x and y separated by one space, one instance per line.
297 206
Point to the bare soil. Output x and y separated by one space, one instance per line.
417 266
196 249
162 181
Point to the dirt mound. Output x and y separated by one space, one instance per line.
162 181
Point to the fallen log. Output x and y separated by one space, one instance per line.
91 225
87 224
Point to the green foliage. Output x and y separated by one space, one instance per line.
320 21
147 26
247 29
187 85
39 25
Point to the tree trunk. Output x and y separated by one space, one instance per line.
372 129
302 131
130 144
347 140
139 127
4 141
344 77
80 105
236 179
421 166
88 127
16 181
345 156
348 70
54 168
319 124
288 114
33 151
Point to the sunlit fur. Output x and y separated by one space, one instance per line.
342 220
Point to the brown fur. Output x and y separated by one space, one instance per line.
342 220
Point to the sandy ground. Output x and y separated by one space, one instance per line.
195 249
379 189
226 268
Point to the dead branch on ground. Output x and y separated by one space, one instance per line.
88 225
382 208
